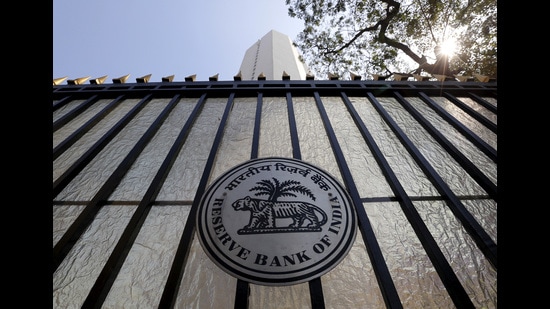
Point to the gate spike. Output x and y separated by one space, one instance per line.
99 80
58 81
121 80
78 81
168 79
143 79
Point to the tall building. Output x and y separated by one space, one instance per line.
137 164
272 55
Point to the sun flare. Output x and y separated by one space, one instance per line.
448 47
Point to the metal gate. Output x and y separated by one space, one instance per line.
131 162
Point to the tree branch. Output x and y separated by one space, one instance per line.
391 11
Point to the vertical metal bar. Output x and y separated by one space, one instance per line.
483 103
71 139
293 131
470 111
389 293
106 278
316 294
241 294
315 287
62 181
169 295
62 102
257 120
468 134
445 271
464 162
75 112
75 231
243 287
479 235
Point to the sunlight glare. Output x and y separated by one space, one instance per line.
448 47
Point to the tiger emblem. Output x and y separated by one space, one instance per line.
264 213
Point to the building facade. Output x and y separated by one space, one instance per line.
270 56
131 162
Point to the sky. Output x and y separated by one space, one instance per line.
161 38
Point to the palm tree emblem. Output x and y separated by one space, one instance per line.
275 189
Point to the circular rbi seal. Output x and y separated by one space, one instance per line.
276 221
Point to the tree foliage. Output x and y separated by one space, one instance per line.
386 36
